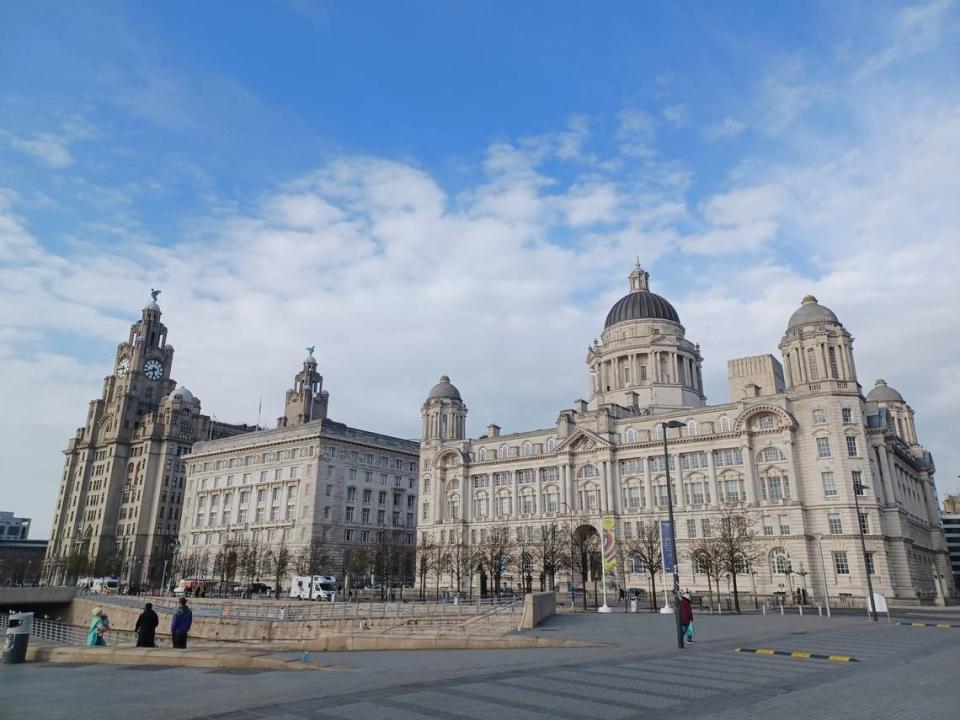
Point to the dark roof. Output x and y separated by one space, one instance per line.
641 305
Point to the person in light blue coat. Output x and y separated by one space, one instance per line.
99 624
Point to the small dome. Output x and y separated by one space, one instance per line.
181 394
444 389
152 305
810 311
884 393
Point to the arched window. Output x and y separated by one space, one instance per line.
527 449
832 358
691 428
482 455
443 426
779 562
639 566
724 423
812 373
587 471
770 454
631 435
767 421
551 445
503 452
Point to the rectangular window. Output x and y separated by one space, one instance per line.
852 446
553 500
871 565
835 523
823 447
846 415
365 515
278 474
767 525
784 524
349 514
329 490
864 523
348 535
857 478
242 515
326 512
633 497
829 485
819 417
705 528
351 493
691 528
259 515
840 564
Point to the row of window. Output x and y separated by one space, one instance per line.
327 452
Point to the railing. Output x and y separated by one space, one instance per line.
60 633
490 619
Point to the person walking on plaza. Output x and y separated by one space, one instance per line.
686 616
146 627
180 625
99 624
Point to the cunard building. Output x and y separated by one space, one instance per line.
785 451
121 492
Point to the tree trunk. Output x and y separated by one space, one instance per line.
736 595
653 591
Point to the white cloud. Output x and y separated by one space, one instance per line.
741 220
677 115
916 29
49 149
635 133
727 128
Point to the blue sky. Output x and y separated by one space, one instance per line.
427 188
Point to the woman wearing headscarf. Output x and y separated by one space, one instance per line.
146 627
99 624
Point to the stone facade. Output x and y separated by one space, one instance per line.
786 451
311 481
950 517
118 508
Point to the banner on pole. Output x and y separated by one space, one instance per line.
609 526
666 546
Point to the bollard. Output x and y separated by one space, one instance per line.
819 610
781 609
764 608
801 610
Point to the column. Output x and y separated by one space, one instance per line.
712 479
616 491
605 507
823 359
750 475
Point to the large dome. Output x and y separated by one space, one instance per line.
884 393
444 389
810 311
641 305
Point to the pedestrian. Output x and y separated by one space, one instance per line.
686 616
622 594
146 627
180 625
99 625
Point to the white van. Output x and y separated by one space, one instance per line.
324 587
100 585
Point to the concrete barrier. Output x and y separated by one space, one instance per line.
537 607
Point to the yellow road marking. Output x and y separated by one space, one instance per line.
764 651
946 625
798 654
839 658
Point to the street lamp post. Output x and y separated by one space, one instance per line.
858 488
823 572
673 531
803 579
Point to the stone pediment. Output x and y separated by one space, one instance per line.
582 440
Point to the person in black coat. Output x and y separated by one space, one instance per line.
146 627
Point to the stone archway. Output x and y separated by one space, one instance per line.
585 559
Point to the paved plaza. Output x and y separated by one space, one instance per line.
900 671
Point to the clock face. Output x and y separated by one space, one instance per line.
122 367
153 369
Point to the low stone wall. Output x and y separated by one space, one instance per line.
537 607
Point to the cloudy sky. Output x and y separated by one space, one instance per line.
430 188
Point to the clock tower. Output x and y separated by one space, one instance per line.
118 510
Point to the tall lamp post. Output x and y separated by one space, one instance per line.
858 488
673 531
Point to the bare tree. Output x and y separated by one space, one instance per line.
439 559
494 552
225 562
740 546
458 558
424 550
356 563
522 559
551 553
282 557
388 556
707 555
646 547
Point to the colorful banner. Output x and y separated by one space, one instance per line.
609 526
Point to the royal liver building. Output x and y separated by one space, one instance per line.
785 452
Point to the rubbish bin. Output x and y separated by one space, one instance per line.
19 626
633 605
